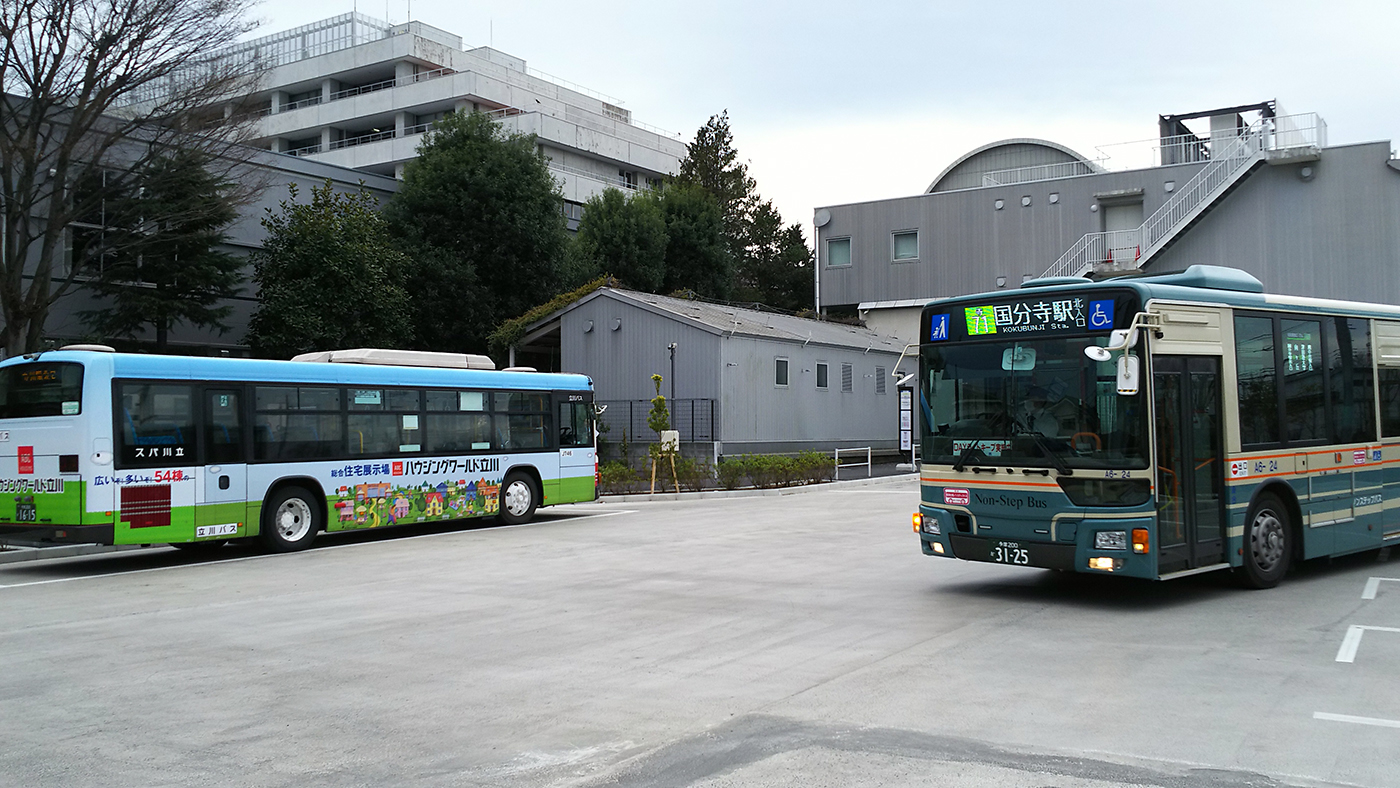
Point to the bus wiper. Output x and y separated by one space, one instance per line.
965 456
1054 458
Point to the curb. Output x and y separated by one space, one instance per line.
12 554
753 492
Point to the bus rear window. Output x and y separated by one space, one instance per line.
54 389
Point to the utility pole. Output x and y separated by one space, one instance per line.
672 347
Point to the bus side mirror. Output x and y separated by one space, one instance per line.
1128 374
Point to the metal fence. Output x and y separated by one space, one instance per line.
694 418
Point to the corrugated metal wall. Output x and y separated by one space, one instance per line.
622 360
965 242
758 415
1336 235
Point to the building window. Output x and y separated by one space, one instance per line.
780 372
629 179
846 375
906 245
879 380
822 375
838 253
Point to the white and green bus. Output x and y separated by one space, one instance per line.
115 448
1159 426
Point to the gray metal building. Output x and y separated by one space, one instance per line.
273 174
744 380
1248 187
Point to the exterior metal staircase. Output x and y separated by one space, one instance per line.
1277 140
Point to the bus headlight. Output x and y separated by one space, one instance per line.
1111 540
1105 563
928 525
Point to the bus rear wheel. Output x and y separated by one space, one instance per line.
518 499
291 517
1268 543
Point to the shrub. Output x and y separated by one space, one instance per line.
616 477
693 474
732 471
816 467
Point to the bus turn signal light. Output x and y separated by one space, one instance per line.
1139 540
918 522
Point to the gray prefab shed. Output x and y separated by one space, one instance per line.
748 380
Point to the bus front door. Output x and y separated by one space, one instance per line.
1190 458
223 513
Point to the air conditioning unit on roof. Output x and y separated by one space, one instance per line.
400 358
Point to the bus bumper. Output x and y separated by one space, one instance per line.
57 534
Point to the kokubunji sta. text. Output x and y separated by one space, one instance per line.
452 465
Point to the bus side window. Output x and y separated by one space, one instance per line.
1390 401
157 425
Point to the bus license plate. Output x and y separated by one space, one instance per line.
25 513
1010 553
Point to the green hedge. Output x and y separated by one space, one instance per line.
759 470
776 470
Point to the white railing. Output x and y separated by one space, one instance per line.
1270 135
868 465
350 142
1040 172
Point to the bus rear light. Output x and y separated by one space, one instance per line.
1140 543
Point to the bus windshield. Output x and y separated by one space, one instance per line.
1038 402
54 389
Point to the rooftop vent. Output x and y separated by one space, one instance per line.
400 358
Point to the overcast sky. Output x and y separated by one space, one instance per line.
845 102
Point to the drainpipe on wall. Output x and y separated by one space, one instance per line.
817 265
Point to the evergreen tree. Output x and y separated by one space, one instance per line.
623 236
329 276
167 269
777 269
697 257
712 163
771 262
480 214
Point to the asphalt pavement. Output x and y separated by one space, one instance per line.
793 640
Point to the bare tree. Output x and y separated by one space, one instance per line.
93 91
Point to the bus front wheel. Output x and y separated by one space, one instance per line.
1268 543
518 499
290 519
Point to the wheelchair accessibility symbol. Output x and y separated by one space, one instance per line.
1101 314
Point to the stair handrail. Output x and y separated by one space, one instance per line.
1210 177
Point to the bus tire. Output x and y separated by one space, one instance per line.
1268 543
518 499
291 517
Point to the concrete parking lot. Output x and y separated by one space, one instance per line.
798 640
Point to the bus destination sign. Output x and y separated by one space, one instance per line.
1078 313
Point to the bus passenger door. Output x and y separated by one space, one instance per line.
577 457
1190 453
224 511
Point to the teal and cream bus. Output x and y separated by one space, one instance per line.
1158 426
115 448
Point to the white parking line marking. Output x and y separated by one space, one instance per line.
1347 653
314 550
1376 721
1374 584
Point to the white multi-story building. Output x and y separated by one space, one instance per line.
358 92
